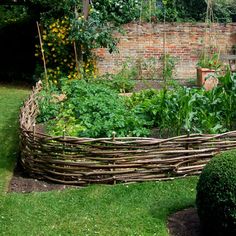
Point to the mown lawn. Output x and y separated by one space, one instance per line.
137 209
10 102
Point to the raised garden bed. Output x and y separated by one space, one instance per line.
82 161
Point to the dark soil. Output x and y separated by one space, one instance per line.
185 223
23 183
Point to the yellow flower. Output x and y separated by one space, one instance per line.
54 30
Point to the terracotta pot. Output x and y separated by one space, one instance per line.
203 74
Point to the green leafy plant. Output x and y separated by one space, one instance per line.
94 110
124 79
118 11
181 109
49 106
69 39
168 66
226 91
185 10
209 61
65 123
119 83
12 14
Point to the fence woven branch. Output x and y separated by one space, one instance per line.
83 161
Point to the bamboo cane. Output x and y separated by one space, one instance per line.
43 55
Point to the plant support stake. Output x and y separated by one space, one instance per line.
42 51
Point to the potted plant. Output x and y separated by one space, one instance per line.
207 65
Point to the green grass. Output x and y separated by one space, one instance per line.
10 102
136 209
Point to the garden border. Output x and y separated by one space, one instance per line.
83 161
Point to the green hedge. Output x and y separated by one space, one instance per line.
216 195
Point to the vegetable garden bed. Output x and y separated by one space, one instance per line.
82 161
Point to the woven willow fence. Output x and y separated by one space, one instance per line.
82 161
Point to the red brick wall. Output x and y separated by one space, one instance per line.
185 41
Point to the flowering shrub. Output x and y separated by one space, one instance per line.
59 52
68 44
57 48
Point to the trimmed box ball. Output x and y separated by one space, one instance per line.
216 195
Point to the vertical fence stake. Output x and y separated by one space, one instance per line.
64 137
113 162
188 135
113 135
34 131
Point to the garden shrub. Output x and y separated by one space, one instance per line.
186 10
216 195
12 14
69 40
118 11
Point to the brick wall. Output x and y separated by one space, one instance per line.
184 41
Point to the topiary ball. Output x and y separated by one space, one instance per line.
216 195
